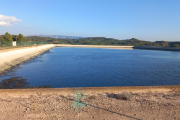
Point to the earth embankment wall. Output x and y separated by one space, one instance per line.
12 58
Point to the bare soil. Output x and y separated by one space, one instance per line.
82 106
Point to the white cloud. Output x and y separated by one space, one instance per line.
30 26
8 20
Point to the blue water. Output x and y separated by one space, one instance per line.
94 67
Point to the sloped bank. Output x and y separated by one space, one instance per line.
96 46
10 59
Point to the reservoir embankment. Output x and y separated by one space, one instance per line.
96 46
157 48
12 58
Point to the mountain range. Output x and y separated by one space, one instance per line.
60 36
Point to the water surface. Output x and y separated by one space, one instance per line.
94 67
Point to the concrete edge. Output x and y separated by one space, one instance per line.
88 90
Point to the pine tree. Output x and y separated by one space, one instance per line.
21 38
7 37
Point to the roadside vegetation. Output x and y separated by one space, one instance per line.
6 41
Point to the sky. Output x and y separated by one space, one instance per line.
149 20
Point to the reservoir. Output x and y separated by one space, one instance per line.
99 67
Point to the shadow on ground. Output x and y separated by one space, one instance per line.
100 108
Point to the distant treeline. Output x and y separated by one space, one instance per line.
104 41
90 41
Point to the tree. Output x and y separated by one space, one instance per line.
175 45
21 38
7 37
99 43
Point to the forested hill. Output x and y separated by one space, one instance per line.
104 41
92 41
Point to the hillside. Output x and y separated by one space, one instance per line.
100 41
60 36
103 41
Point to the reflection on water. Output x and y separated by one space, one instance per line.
18 83
13 83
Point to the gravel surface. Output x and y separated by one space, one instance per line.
80 106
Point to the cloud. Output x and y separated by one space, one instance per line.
8 20
30 26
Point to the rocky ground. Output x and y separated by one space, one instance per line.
81 106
